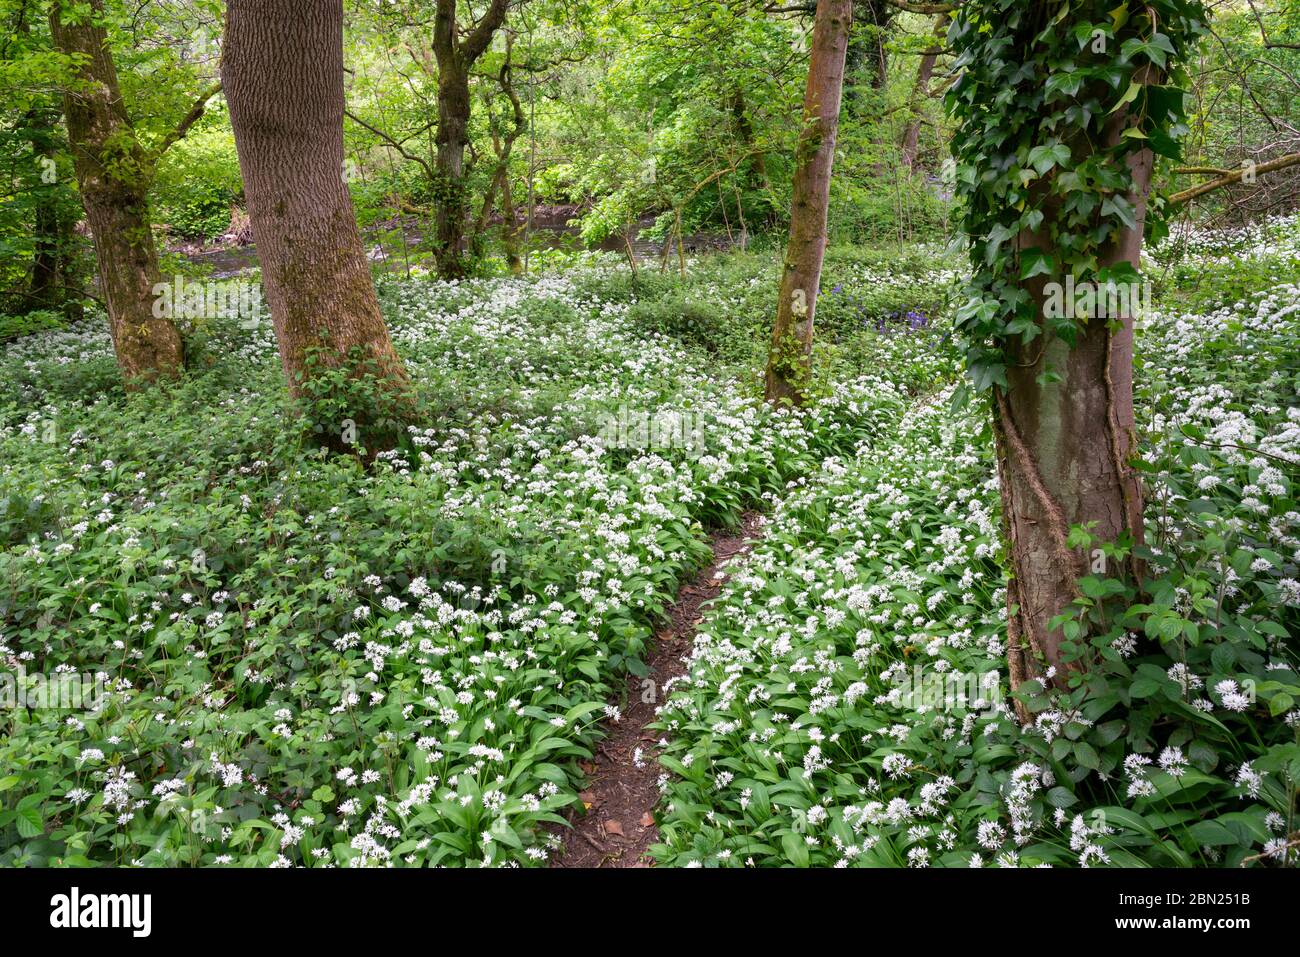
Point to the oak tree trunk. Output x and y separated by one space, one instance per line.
790 355
282 70
111 173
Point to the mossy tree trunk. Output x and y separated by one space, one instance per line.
790 355
924 73
456 58
505 133
113 176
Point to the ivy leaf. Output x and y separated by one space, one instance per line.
1120 208
1034 262
1043 158
998 235
1061 85
1131 94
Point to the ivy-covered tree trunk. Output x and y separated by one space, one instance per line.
112 173
283 76
758 157
790 354
1062 108
54 283
1065 435
456 58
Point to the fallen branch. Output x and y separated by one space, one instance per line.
1272 166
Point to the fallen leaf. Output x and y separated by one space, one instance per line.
647 820
613 827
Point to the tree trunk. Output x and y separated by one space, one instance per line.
455 60
867 42
503 145
789 360
912 134
71 289
1063 450
54 283
283 76
44 287
111 172
758 162
453 203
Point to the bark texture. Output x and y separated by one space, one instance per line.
505 133
456 58
113 175
282 70
924 73
1064 450
790 355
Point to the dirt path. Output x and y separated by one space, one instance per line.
618 827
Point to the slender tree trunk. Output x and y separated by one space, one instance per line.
912 134
514 229
456 58
867 43
758 163
503 145
112 174
453 201
54 282
1064 449
44 287
71 288
282 70
789 360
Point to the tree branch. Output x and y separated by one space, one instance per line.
928 9
424 164
480 37
1282 162
183 127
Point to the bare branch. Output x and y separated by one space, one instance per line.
1282 162
414 158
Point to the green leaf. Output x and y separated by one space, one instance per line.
30 823
1131 94
1087 755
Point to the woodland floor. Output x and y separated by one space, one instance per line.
618 827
